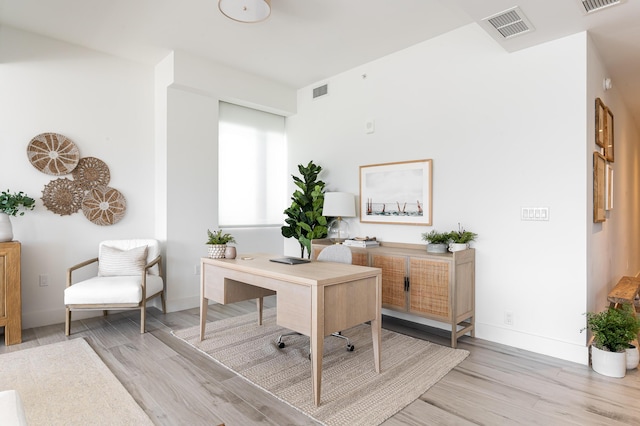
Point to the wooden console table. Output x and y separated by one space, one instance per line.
10 298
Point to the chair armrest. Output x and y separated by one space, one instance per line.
78 266
153 262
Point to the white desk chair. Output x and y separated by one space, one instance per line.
129 274
334 253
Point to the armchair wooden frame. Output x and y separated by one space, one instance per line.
142 305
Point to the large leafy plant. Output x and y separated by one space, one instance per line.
15 204
304 220
613 328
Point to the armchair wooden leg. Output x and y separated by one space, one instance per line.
164 303
143 313
67 322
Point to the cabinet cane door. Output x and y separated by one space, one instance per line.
394 295
429 287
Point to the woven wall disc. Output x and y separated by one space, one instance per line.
62 196
91 172
104 205
53 154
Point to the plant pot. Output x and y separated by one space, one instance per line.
6 230
611 364
436 248
633 357
216 251
230 252
458 246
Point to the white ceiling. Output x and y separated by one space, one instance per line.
305 41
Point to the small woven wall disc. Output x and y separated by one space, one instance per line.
53 154
104 205
91 172
62 196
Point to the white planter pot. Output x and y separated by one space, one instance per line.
6 230
633 357
458 246
216 251
611 364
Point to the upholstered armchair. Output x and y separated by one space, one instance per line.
129 274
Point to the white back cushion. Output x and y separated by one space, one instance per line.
113 262
153 249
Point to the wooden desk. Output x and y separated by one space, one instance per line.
314 299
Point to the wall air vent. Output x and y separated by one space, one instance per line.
320 91
509 23
596 5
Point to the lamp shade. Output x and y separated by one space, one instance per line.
339 204
245 10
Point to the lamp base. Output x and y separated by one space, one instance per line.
338 230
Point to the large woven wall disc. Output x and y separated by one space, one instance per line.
91 172
62 196
53 154
104 205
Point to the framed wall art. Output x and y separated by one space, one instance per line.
599 189
600 123
608 138
397 193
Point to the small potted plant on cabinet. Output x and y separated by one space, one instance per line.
436 241
460 239
612 330
217 243
12 205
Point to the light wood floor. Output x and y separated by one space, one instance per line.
495 385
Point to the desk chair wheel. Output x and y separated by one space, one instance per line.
281 345
350 348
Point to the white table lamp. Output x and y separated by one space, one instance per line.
338 205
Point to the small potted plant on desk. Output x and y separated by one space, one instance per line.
217 243
460 239
436 241
612 330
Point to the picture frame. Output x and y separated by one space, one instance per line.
608 138
609 185
599 188
600 123
397 193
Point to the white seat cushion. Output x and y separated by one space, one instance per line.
11 409
109 290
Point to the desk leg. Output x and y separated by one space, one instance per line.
317 340
260 305
204 303
376 326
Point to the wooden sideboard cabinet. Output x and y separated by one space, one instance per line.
10 298
439 287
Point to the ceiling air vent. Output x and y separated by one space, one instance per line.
320 91
596 5
509 23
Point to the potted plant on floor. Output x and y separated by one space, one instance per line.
217 243
12 205
612 330
460 239
436 241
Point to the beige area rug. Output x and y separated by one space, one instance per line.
67 383
352 392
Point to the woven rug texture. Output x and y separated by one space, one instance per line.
67 383
352 392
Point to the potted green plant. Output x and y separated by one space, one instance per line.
612 330
460 239
217 242
436 241
12 204
305 221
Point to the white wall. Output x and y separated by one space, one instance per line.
504 131
103 104
188 134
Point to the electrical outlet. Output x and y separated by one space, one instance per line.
508 318
43 280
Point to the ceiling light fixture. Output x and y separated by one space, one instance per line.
248 11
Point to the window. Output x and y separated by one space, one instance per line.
252 160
